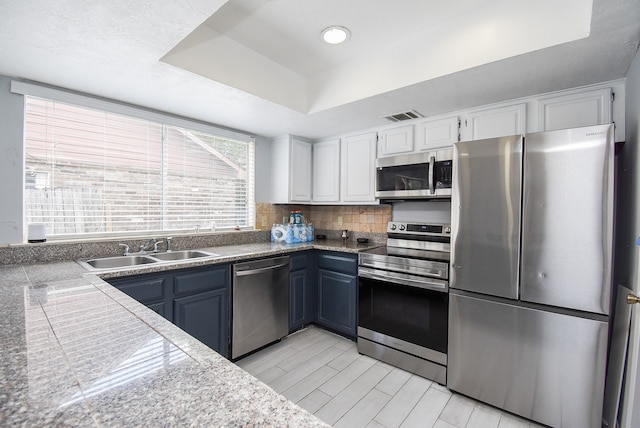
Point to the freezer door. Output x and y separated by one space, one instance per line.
568 218
485 216
544 366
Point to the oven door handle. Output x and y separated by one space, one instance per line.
403 279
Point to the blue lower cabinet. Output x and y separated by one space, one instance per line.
201 305
337 294
323 287
337 301
205 316
196 300
302 291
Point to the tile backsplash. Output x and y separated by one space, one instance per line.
355 218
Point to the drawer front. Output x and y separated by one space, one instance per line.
144 291
202 280
298 262
346 263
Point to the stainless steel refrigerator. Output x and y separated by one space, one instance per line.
532 232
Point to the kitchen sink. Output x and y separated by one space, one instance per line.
118 262
182 255
143 259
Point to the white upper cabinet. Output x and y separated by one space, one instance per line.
326 171
495 122
358 168
575 110
290 170
395 140
432 134
300 166
341 170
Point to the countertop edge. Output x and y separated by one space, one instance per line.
234 253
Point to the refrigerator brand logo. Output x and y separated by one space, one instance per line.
589 134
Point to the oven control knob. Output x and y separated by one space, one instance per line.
402 227
447 230
392 227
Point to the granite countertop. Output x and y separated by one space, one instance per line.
232 253
77 351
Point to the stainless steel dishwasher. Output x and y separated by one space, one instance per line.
260 304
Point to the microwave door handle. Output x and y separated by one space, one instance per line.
432 173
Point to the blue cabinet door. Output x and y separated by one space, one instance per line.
303 301
153 291
298 296
205 316
337 301
201 305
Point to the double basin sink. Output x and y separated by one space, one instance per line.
144 259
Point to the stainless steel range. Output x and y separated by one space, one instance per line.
403 299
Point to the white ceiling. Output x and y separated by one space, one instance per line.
392 44
258 65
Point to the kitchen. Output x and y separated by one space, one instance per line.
625 269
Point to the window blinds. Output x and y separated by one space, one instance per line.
91 172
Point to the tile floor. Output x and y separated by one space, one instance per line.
324 374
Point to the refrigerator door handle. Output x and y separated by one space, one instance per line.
432 172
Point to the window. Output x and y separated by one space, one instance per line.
91 172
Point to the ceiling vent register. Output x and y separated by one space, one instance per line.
405 115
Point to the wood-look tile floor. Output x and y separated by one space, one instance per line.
323 373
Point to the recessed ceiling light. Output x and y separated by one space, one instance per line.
335 34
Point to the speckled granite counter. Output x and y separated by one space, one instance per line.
232 253
76 351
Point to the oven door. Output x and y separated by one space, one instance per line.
410 319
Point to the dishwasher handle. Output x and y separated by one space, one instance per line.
255 271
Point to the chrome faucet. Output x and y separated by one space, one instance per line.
155 246
126 249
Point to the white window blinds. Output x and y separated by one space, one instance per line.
92 172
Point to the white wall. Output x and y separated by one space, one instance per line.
11 164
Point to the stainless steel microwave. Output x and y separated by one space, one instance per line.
415 176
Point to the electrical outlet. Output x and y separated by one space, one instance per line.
264 221
339 220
